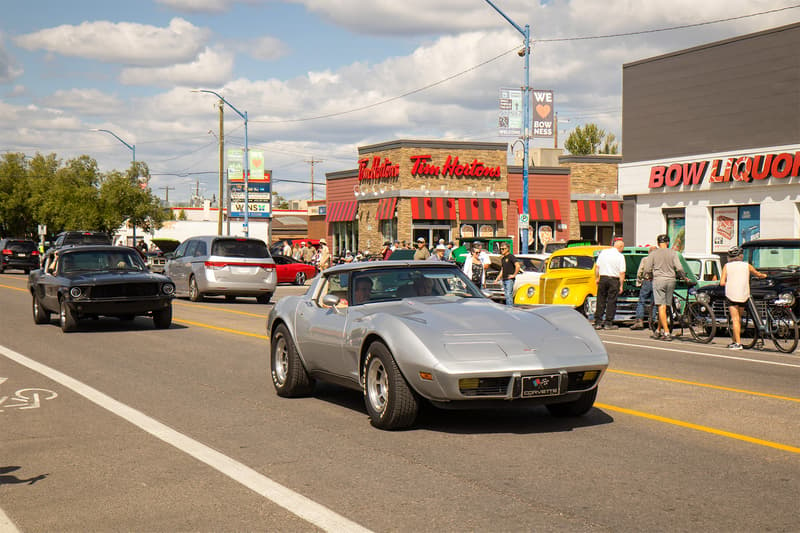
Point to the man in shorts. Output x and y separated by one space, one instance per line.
664 267
736 280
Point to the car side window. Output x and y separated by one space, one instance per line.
181 249
200 249
712 273
190 249
335 284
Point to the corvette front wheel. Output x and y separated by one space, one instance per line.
391 404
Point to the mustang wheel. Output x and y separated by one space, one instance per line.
67 318
288 373
162 319
300 278
194 291
40 316
391 404
578 407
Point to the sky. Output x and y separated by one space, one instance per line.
318 78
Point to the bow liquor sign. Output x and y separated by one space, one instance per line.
452 167
740 168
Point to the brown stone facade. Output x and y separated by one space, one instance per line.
591 175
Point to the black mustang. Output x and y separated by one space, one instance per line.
89 281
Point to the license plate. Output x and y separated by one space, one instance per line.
22 255
541 385
242 270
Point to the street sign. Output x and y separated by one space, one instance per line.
524 220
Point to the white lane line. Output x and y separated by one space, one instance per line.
704 354
293 502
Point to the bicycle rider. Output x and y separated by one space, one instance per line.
736 280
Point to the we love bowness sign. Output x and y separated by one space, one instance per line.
510 121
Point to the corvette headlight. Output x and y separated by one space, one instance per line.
531 292
704 298
565 292
75 292
168 288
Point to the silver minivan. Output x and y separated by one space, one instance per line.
222 266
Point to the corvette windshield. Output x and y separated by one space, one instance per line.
393 283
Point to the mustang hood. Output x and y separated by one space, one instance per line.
107 278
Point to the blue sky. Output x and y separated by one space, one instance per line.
67 67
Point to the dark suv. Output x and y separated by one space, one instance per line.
21 254
77 238
779 259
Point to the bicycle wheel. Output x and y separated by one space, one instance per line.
784 329
749 329
701 322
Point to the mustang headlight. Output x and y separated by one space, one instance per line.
786 298
531 292
704 298
565 292
75 292
168 288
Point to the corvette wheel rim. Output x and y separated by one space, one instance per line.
281 361
377 386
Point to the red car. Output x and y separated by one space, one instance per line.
293 271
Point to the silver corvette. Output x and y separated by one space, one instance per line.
403 332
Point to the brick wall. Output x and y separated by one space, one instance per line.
592 174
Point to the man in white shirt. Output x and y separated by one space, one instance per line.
610 275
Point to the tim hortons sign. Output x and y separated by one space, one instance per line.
744 168
379 170
452 167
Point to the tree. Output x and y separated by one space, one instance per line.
279 202
587 140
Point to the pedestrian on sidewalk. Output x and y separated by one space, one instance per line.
736 280
665 269
609 272
645 290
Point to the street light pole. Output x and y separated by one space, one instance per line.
132 148
246 160
526 118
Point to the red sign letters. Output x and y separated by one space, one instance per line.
744 169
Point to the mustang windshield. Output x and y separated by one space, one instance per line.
100 260
393 283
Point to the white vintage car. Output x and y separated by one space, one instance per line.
404 332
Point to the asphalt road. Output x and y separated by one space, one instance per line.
120 427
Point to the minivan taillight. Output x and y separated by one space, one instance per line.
216 265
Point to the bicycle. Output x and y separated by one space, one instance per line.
774 319
686 312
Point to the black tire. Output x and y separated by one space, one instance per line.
300 278
40 314
67 319
230 298
390 402
289 376
701 322
784 329
264 298
577 407
749 330
163 319
127 318
194 291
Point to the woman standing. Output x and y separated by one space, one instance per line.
475 268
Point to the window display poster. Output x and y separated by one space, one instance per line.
676 229
749 223
724 230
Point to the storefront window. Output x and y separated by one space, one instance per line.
540 233
345 237
676 229
482 229
432 231
388 229
601 234
734 226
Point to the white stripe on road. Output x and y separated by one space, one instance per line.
293 502
704 354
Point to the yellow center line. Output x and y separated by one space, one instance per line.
14 288
200 306
705 385
217 328
697 427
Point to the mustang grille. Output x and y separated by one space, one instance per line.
484 386
123 290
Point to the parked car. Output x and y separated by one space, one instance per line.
80 238
779 259
404 332
222 266
90 281
490 244
19 254
291 270
532 267
156 259
707 268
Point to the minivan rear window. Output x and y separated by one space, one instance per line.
240 248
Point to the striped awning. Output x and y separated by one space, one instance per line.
386 209
542 209
423 208
599 211
342 211
480 209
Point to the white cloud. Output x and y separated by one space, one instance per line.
9 70
85 101
123 42
266 48
210 68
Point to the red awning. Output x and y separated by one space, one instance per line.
599 211
342 211
423 208
480 209
542 209
386 209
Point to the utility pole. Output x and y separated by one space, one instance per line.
166 193
313 161
221 169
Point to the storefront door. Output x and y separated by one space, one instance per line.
431 233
